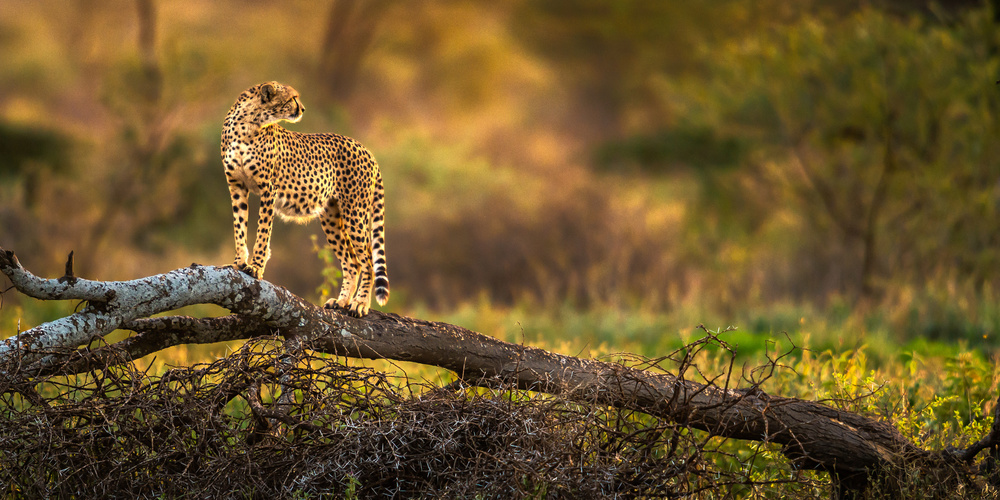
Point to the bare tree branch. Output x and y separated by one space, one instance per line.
153 334
816 436
112 305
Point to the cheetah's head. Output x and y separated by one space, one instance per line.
268 103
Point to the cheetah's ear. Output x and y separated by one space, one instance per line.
266 93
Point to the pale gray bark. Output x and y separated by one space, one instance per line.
112 305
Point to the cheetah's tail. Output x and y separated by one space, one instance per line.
378 243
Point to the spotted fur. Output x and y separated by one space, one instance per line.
302 176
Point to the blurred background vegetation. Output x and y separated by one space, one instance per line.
587 176
612 173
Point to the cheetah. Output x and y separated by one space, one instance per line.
303 176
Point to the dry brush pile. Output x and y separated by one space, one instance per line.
222 430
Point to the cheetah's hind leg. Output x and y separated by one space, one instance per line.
333 227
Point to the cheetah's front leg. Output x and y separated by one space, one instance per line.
262 243
239 194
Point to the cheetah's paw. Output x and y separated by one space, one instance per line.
250 269
332 304
355 310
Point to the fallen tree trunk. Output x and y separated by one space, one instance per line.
852 448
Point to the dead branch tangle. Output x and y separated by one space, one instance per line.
813 435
